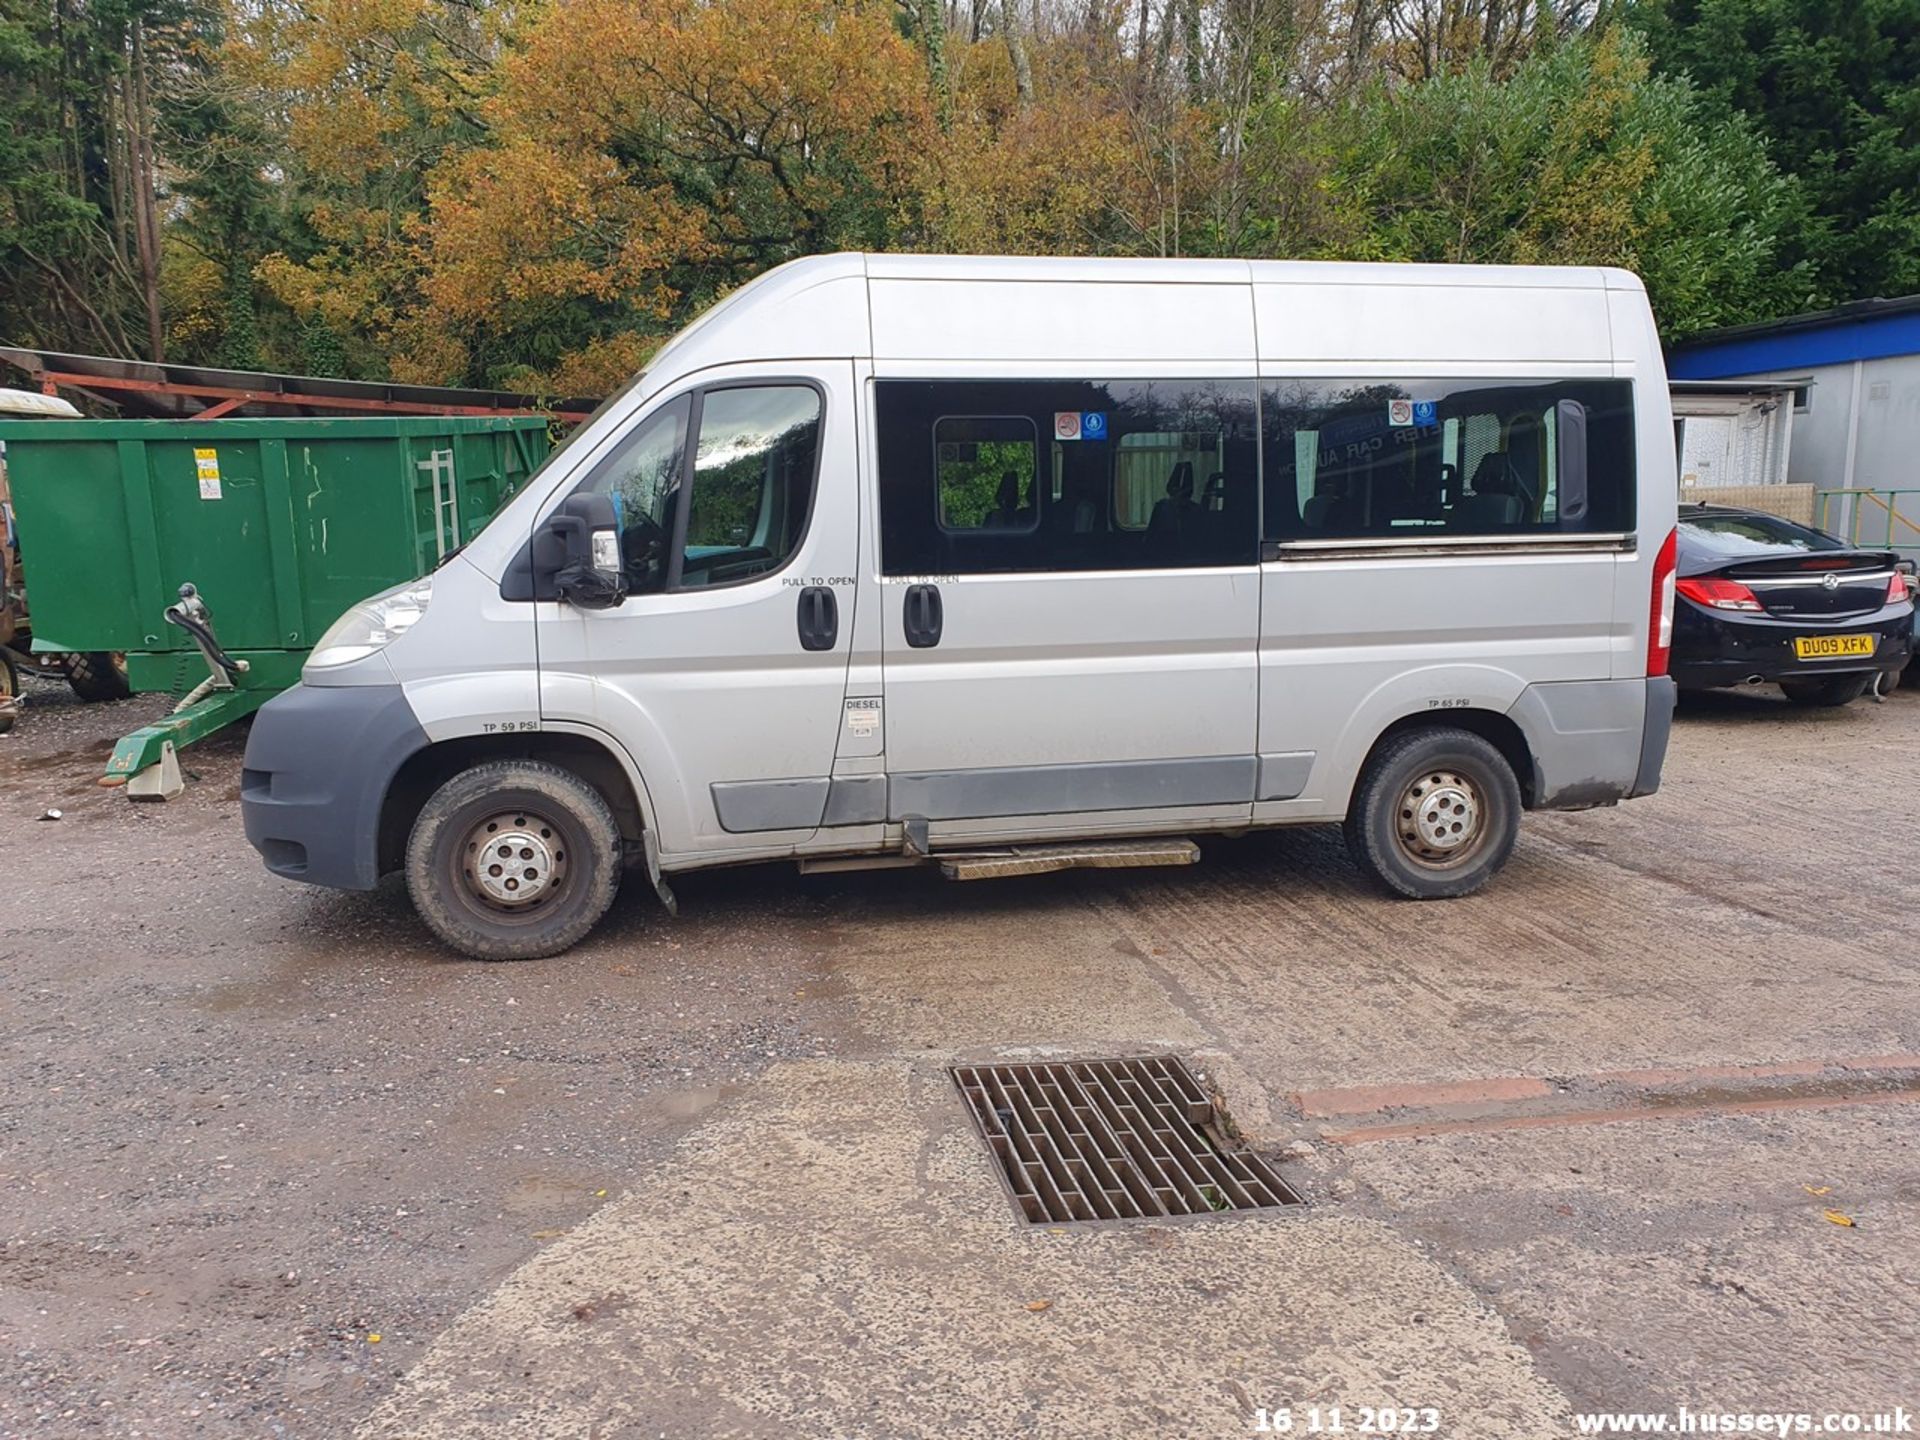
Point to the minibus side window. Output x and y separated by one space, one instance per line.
752 476
986 467
1145 459
1550 464
1422 460
1013 476
753 472
643 478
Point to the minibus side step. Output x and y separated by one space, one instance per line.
835 864
1039 859
1018 859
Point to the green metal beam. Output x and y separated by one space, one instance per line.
137 751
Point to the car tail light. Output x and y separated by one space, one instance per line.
1718 594
1898 588
1660 611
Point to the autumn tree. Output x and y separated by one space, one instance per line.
644 156
495 193
367 98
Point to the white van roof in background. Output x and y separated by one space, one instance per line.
32 405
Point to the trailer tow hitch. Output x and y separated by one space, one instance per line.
147 762
192 616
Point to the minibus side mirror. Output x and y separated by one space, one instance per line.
578 545
1570 448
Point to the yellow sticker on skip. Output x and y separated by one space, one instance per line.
207 464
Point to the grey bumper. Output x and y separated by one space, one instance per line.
1662 694
1595 742
319 762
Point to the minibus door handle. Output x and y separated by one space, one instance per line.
819 618
923 616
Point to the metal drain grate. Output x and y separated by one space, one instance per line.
1112 1140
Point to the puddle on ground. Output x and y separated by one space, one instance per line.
687 1104
1829 1087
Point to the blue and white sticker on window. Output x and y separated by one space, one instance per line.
1079 425
1419 413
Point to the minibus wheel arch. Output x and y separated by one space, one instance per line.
425 771
1496 729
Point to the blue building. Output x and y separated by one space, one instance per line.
1855 378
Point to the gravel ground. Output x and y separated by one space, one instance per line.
247 1126
260 1145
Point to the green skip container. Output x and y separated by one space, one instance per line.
279 524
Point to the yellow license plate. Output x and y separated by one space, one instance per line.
1832 647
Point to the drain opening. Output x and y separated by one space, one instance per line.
1112 1140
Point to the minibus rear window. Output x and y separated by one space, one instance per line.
1440 459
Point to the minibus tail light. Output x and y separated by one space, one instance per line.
1660 613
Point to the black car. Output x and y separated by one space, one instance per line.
1761 599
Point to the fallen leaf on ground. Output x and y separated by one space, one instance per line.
1818 1189
1839 1217
1038 1305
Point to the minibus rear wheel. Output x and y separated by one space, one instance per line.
1435 814
513 860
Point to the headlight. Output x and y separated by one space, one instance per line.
372 625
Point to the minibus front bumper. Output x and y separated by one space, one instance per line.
318 765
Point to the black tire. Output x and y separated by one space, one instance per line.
571 851
99 675
1472 791
9 691
1828 692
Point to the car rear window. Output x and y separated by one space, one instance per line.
1736 532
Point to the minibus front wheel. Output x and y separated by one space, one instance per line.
513 860
1435 813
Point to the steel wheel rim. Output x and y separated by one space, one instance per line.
515 862
1440 821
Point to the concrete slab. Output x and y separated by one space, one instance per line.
832 1256
1653 1265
